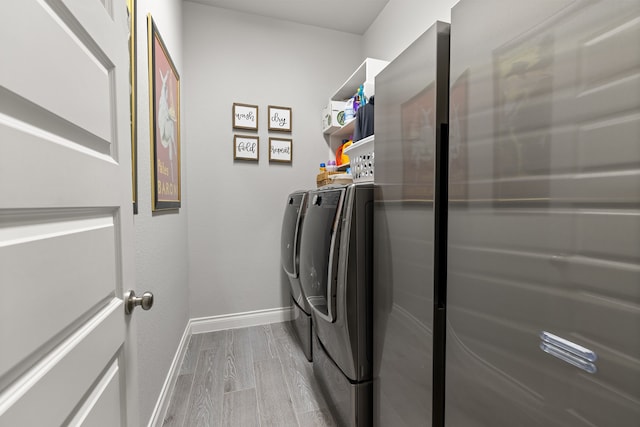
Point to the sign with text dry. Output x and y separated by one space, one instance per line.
279 118
280 150
245 147
245 116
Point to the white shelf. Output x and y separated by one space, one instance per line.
364 75
341 130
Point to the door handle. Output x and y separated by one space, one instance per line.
131 301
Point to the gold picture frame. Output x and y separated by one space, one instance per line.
133 62
164 100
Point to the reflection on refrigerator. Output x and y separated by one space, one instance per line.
543 303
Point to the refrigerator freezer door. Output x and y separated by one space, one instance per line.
544 214
411 108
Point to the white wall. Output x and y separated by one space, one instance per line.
227 259
235 208
161 239
400 23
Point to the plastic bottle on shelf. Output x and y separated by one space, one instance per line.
331 166
363 99
339 154
345 157
323 168
349 111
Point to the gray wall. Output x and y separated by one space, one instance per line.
400 23
235 208
161 240
227 259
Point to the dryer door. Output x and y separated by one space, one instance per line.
319 250
291 226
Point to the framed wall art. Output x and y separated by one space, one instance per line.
245 116
164 100
279 118
245 147
131 15
280 150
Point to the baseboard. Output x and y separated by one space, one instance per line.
210 324
157 416
240 320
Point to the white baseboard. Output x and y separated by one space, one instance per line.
210 324
240 320
157 416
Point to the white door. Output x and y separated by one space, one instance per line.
66 222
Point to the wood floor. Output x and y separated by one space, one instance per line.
255 376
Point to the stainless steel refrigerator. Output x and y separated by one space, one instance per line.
410 195
543 293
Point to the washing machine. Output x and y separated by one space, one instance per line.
294 211
336 277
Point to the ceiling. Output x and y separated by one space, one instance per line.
352 16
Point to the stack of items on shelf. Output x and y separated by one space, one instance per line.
329 174
347 123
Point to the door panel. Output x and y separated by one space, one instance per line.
56 384
544 235
53 35
80 286
66 220
97 408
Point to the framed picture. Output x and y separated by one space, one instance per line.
279 118
245 147
131 15
245 116
280 150
164 98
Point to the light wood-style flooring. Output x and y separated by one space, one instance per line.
255 376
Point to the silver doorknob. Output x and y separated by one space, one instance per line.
131 301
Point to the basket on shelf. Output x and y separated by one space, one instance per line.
361 157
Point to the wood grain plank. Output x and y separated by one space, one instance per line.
207 393
282 330
319 418
191 355
274 402
241 409
178 403
212 339
263 344
238 371
298 374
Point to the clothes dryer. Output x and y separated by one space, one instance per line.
335 274
289 254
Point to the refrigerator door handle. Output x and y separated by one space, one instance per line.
568 346
569 358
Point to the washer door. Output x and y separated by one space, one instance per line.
319 250
291 227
